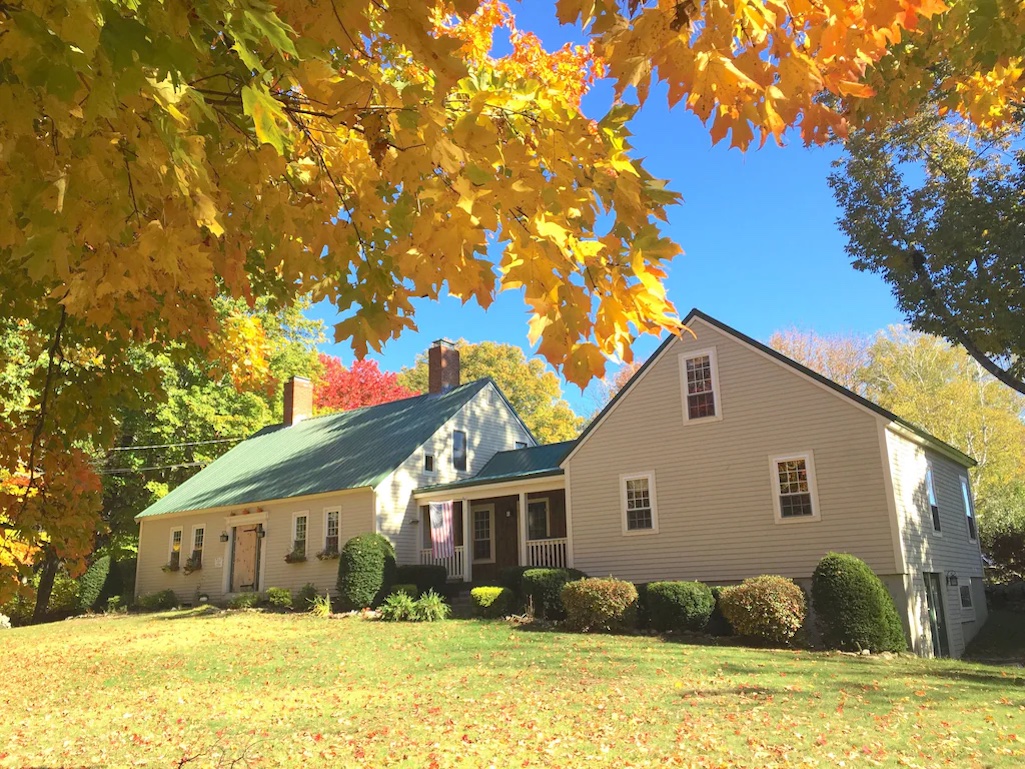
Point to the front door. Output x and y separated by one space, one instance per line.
494 538
937 617
244 559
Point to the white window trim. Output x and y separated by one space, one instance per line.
967 612
192 549
713 364
965 487
295 519
548 517
650 476
327 511
170 545
490 509
809 459
930 494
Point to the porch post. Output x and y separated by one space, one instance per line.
522 528
467 542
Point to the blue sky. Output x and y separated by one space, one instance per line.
762 249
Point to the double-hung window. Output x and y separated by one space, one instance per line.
969 509
934 509
300 523
198 536
459 450
793 482
175 558
699 374
538 520
483 526
640 512
331 531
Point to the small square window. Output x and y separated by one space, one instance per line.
966 597
428 463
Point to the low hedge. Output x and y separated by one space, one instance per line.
244 601
424 576
366 571
599 604
279 597
490 602
853 608
543 589
767 608
678 606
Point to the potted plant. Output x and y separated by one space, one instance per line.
296 555
193 563
172 565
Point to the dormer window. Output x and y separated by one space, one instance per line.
699 376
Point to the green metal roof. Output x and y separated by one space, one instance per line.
349 450
514 465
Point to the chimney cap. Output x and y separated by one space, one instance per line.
443 343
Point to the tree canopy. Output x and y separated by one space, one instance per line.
362 384
532 390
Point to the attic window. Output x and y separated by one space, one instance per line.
459 450
699 376
428 463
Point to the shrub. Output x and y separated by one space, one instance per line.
398 607
160 601
768 608
21 606
491 602
64 595
678 606
425 577
718 625
408 589
90 584
321 606
115 606
120 582
853 608
305 596
511 577
280 597
599 604
431 607
366 569
244 601
544 589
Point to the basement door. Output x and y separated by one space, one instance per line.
937 617
245 559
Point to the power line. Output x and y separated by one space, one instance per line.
129 470
177 445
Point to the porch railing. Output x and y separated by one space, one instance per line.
453 564
547 553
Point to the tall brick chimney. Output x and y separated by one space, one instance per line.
298 400
443 364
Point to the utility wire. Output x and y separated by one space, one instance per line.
177 445
129 470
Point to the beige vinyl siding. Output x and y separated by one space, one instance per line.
490 427
715 497
357 517
950 550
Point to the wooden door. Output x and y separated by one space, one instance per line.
937 617
243 563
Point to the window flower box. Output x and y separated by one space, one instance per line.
328 554
295 556
195 563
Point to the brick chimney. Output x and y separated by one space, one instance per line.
443 363
298 400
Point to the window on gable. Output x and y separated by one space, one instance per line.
969 509
639 511
930 488
459 450
331 531
793 480
299 524
428 463
699 374
176 549
538 521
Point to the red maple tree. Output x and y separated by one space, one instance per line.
363 384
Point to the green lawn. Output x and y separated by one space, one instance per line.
284 690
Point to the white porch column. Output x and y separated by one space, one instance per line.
521 528
467 542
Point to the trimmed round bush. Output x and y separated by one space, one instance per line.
490 602
853 608
599 604
366 570
279 597
768 608
90 584
543 588
424 576
679 606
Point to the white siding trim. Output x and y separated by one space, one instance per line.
652 498
242 505
809 461
713 365
569 521
896 523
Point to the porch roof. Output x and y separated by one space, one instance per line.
517 464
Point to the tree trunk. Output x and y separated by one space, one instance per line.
46 577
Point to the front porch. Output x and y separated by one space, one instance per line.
524 528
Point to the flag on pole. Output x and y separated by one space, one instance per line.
443 543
